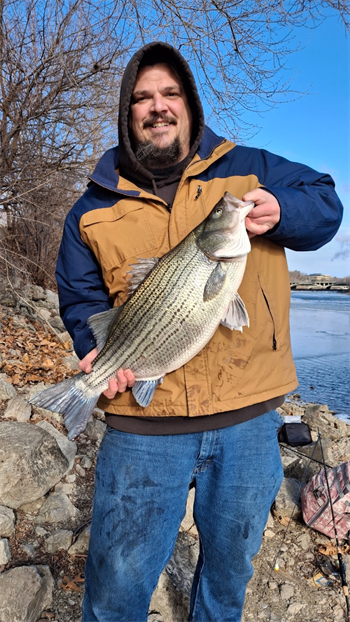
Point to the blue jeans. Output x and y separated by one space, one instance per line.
140 497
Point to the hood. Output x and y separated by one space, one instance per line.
151 54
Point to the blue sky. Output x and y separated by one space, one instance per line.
315 130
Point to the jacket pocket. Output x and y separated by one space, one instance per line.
268 303
118 233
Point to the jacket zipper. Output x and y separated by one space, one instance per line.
274 341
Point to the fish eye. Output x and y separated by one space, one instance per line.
217 212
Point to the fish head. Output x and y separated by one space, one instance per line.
223 236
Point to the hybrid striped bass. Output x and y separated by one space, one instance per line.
176 305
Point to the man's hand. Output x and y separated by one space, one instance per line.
125 378
266 213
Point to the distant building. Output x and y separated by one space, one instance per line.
316 278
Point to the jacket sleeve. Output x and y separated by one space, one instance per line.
81 289
311 211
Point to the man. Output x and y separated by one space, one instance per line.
212 423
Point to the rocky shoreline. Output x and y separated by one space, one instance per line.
46 486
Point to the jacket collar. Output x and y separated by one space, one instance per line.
106 172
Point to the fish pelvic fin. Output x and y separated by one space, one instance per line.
236 315
143 390
70 398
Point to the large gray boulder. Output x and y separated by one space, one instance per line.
31 462
25 592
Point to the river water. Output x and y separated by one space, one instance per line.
320 330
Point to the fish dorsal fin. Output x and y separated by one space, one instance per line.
214 283
100 324
140 270
236 315
143 390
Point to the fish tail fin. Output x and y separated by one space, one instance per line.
73 399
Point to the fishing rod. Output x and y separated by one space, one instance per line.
342 567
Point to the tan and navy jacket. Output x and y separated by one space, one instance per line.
115 222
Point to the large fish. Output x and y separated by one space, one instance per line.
176 305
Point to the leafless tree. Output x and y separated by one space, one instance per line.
59 71
60 64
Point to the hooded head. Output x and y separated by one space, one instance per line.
157 59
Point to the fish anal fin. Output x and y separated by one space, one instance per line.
100 324
236 315
143 390
215 283
139 271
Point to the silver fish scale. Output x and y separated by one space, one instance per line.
166 322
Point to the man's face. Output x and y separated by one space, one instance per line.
159 114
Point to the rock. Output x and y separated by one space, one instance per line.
79 469
61 539
65 337
51 299
31 462
172 595
188 521
86 462
7 521
95 429
287 501
295 608
56 509
29 549
82 543
287 591
44 313
25 592
180 568
5 552
7 391
36 293
68 489
68 448
7 297
33 506
40 531
71 361
18 409
167 604
304 541
339 452
318 417
57 323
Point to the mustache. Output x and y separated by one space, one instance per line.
158 117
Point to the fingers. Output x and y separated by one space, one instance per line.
85 363
266 213
125 379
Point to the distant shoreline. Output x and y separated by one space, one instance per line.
303 287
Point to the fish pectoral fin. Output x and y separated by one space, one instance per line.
143 390
100 324
236 315
215 283
139 271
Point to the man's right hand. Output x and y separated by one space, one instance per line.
124 378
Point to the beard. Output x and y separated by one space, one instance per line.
153 157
